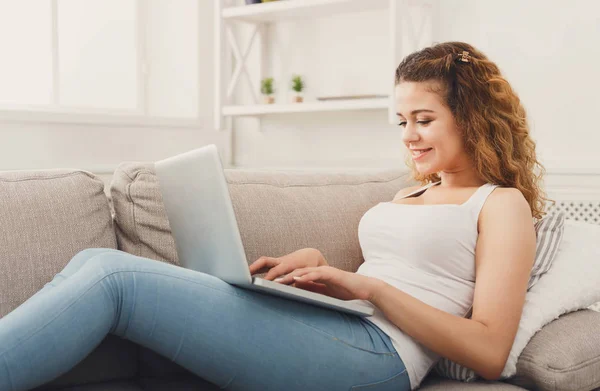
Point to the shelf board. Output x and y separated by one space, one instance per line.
298 9
306 107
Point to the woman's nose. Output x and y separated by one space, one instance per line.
409 133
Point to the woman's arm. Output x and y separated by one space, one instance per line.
504 257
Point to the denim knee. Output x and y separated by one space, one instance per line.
84 256
109 260
90 252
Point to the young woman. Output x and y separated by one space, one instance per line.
469 145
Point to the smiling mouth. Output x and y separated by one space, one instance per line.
416 154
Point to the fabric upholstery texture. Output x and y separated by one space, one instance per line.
141 223
47 217
564 355
435 383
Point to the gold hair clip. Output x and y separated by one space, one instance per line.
464 56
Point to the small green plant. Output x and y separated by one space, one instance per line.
297 83
266 86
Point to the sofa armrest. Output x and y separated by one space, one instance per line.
563 355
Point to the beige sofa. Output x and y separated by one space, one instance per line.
49 216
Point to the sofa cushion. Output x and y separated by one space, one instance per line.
141 223
47 217
435 383
277 212
563 355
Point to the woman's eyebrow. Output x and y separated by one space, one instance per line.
419 111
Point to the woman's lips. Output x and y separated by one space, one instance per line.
419 155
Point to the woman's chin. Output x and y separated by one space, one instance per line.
425 170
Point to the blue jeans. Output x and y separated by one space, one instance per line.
235 338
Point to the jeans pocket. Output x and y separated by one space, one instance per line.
397 382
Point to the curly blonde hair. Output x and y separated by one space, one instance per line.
488 113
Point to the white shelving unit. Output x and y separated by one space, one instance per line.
298 9
350 104
257 15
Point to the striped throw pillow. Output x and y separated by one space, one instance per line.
549 231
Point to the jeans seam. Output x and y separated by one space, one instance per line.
133 306
391 354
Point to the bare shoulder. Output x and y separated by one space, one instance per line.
504 201
405 191
506 196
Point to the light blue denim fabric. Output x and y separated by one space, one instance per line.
235 338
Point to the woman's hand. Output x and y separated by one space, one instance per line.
305 257
332 282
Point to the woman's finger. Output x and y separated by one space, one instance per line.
305 270
311 276
277 271
256 265
263 264
289 278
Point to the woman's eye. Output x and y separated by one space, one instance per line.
403 123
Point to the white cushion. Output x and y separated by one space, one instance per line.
571 284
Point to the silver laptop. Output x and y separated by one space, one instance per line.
205 230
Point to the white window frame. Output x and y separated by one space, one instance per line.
56 113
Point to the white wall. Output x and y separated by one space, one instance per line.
548 51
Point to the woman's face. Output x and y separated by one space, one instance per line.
428 123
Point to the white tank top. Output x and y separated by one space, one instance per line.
427 251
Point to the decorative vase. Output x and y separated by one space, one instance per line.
269 99
298 99
253 1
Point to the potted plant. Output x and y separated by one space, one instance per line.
298 86
267 89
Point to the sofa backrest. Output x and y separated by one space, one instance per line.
277 212
46 217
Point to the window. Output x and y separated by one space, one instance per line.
98 54
71 58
